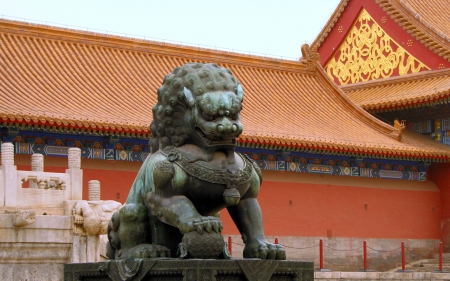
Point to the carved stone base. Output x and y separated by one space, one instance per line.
191 270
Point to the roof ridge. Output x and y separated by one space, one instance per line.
330 24
380 126
427 24
401 14
137 44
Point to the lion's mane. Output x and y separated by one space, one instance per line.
167 127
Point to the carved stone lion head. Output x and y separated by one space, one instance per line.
198 104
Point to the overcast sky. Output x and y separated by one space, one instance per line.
271 28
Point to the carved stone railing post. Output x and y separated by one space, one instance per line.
94 190
76 174
8 185
37 162
7 154
74 158
37 165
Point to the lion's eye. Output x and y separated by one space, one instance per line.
234 116
207 117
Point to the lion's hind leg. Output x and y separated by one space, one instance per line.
129 235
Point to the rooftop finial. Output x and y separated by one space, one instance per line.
399 126
311 55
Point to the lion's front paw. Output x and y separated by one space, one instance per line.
145 251
264 250
201 224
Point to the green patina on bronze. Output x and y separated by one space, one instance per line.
192 173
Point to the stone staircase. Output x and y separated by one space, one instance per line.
429 265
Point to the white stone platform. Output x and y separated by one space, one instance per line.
47 224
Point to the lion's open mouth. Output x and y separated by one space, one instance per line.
212 140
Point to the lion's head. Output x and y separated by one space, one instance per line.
198 104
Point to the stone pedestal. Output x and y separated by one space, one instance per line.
35 252
191 270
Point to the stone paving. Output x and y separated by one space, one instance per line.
425 269
385 276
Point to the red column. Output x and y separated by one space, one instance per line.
365 255
321 253
403 256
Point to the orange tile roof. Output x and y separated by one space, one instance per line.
55 77
401 92
424 20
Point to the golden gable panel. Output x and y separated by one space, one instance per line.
368 53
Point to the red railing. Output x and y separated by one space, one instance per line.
364 248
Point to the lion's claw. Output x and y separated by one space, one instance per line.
208 227
201 224
264 250
216 227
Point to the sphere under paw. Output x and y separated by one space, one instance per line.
203 246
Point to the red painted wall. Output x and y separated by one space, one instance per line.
438 173
115 184
304 209
309 205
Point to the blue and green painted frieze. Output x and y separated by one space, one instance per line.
276 160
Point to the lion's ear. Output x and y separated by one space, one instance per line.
240 92
189 97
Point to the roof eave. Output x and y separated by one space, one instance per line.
79 128
344 150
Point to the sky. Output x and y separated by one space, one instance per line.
265 28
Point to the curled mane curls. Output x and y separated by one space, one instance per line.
167 127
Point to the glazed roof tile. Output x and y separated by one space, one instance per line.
401 92
73 79
427 17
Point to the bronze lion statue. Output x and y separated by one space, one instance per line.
191 174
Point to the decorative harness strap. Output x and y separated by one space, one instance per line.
225 176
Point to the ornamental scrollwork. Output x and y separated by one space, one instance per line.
368 53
